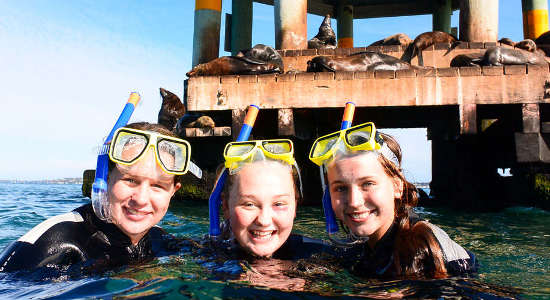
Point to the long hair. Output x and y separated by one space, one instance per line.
416 252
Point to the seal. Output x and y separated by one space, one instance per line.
171 109
507 41
233 65
499 56
466 60
325 38
424 41
527 44
361 61
172 114
400 39
262 53
543 39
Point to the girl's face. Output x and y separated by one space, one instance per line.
139 195
261 207
363 195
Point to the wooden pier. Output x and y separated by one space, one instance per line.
479 119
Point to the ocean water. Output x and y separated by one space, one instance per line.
513 247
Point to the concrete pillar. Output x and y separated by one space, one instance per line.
206 34
441 17
241 25
535 18
345 25
479 20
290 24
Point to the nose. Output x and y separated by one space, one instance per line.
140 196
264 217
355 197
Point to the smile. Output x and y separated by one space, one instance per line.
360 216
262 235
135 215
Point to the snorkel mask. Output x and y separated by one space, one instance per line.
127 146
353 140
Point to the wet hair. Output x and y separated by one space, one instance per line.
416 251
145 126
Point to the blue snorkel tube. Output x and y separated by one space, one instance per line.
214 202
330 217
99 187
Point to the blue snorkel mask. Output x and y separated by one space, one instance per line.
99 187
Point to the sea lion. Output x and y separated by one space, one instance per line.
193 120
396 39
507 41
261 52
543 39
233 65
172 113
466 60
499 56
361 61
171 109
527 44
325 38
424 41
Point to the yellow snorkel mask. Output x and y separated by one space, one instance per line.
363 137
237 154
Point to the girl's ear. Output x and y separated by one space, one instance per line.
397 188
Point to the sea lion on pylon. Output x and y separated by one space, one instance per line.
424 41
400 39
193 120
507 41
466 60
233 65
325 38
361 61
499 56
172 111
261 52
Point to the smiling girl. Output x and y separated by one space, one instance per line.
373 200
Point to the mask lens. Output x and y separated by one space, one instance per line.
128 146
322 146
277 147
239 149
359 136
173 155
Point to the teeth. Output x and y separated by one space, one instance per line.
262 234
132 211
360 216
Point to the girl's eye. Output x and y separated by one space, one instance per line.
340 189
279 204
367 184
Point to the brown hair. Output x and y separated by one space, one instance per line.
416 250
145 126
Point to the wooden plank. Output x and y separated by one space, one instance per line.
468 118
285 118
531 148
530 117
204 132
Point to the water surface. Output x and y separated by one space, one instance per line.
513 247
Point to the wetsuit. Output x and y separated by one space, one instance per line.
378 262
80 238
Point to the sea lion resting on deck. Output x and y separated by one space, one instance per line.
499 56
263 53
424 41
361 61
172 110
325 38
233 65
193 120
396 39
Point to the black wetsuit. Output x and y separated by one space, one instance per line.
378 262
81 239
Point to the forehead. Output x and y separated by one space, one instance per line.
146 167
356 166
264 178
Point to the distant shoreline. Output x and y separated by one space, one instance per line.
44 181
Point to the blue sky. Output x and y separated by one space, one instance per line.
69 66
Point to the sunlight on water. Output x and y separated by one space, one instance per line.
513 247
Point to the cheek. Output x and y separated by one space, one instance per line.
241 218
